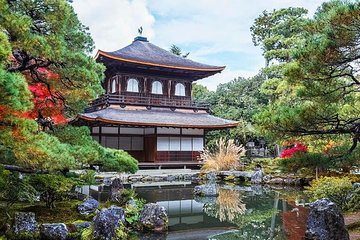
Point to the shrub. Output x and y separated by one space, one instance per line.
305 160
120 161
51 187
13 188
354 200
298 147
88 177
335 188
225 157
133 211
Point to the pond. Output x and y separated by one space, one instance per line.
239 212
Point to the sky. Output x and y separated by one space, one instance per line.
214 32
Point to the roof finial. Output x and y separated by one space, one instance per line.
140 30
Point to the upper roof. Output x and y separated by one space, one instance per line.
140 51
156 117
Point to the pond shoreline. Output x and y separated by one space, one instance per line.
171 175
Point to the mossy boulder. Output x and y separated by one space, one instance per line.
154 218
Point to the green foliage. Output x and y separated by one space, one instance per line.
337 189
23 236
14 92
51 187
120 233
276 31
237 100
177 51
133 211
87 233
38 35
353 203
88 177
314 86
309 161
13 188
119 160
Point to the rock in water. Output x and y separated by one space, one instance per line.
107 221
257 176
25 222
206 190
88 206
154 218
211 177
53 231
325 222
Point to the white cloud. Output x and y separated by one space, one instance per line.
203 27
113 23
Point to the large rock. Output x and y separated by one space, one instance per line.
154 218
257 176
25 222
325 222
206 190
119 212
88 206
116 189
107 221
53 231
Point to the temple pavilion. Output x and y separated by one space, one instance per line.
147 109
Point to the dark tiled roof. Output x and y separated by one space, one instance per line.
159 117
143 52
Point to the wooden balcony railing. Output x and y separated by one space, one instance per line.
106 100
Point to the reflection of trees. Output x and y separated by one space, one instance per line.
256 222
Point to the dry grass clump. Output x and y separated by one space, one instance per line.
226 157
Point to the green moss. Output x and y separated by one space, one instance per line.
74 236
23 236
87 234
121 233
65 211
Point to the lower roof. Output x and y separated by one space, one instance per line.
156 118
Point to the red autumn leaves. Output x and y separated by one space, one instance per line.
43 100
298 147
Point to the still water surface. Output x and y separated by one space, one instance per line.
239 212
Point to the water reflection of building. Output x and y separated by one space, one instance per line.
184 212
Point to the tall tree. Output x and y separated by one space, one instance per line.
45 72
321 79
237 100
275 31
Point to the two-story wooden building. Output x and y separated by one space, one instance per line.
147 109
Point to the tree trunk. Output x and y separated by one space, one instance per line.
15 168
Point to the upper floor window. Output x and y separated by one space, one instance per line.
179 89
113 85
132 85
156 88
